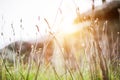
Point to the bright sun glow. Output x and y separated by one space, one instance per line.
58 13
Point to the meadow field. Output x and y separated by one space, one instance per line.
91 53
84 48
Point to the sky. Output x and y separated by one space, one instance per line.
31 15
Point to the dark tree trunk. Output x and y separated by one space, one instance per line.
103 1
93 6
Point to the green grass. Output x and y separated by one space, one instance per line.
98 59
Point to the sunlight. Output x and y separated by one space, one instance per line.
59 39
60 15
68 9
68 29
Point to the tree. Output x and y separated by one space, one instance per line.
105 11
103 1
93 6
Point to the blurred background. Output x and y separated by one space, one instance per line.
24 15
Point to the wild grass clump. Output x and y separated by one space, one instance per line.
92 53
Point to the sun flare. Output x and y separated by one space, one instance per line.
59 14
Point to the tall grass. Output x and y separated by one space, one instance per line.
90 54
